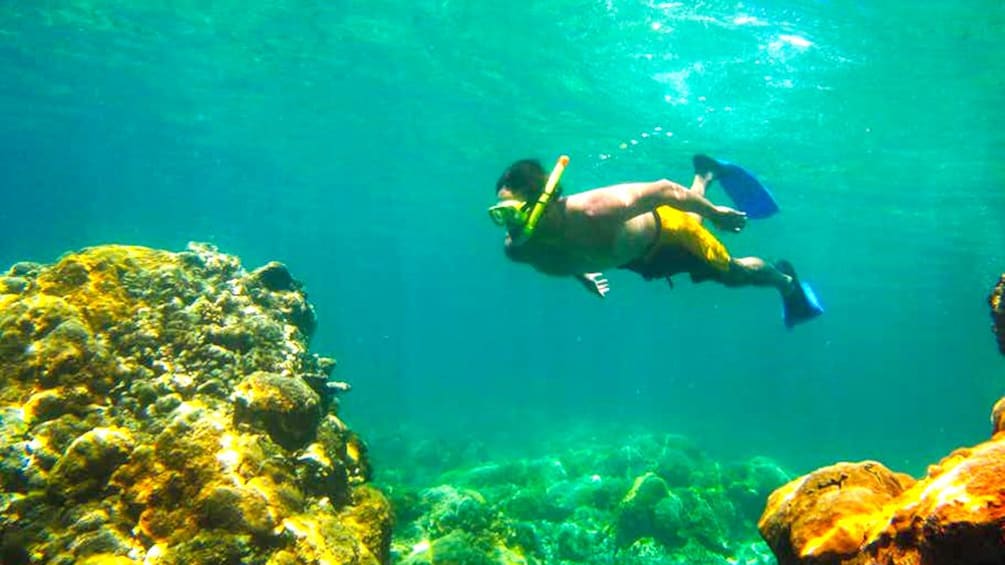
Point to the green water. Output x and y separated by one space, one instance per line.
359 143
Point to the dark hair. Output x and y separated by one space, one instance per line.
526 177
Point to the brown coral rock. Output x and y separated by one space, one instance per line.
998 417
287 408
957 513
828 512
89 461
857 514
997 303
163 408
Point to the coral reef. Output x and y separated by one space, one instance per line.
997 302
163 407
998 417
636 500
862 513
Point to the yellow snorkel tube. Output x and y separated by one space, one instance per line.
542 201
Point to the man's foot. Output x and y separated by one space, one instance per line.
789 272
706 167
800 303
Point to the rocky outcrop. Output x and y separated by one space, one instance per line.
164 408
862 513
997 302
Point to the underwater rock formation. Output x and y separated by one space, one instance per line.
998 417
997 302
163 408
862 513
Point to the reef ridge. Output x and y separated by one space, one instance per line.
164 407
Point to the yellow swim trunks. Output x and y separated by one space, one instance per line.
683 245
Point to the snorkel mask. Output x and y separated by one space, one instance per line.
510 214
514 214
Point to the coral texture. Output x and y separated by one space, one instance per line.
998 417
997 303
862 513
627 500
163 407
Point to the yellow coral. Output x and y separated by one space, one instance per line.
91 280
172 335
106 559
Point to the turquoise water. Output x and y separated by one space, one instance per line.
359 143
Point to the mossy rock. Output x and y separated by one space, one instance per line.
285 407
532 503
321 473
369 517
575 543
212 547
456 548
13 285
451 509
236 510
635 517
155 406
85 468
340 443
707 518
106 559
105 544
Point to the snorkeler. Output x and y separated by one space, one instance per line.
652 228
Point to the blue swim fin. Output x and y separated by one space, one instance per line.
742 187
802 304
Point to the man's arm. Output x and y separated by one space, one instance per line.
625 201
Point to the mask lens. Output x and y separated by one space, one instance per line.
506 214
498 215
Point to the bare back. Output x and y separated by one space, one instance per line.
569 240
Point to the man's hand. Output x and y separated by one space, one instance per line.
728 219
595 283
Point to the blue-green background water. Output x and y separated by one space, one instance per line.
359 143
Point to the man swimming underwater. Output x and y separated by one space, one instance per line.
652 228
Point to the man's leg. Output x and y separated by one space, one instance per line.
753 271
705 169
698 186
